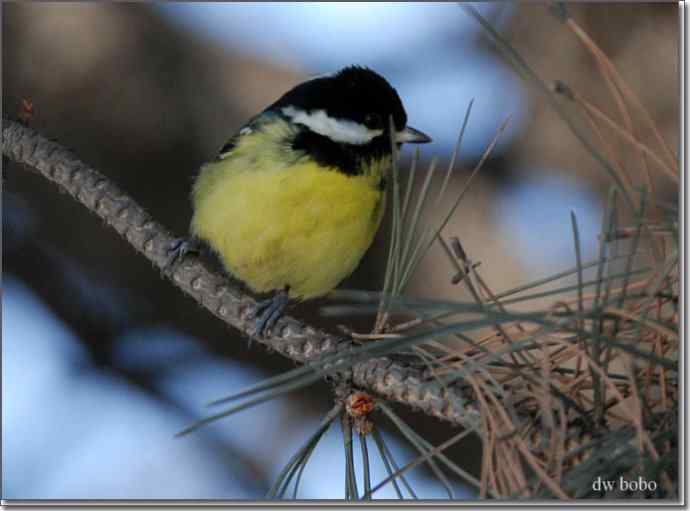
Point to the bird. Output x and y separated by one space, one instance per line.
293 200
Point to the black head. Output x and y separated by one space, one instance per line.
347 114
355 94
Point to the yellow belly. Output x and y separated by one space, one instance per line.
300 226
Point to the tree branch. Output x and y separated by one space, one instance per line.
289 337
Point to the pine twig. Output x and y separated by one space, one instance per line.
214 291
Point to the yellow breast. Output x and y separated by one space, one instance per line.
303 226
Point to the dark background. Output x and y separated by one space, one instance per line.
103 360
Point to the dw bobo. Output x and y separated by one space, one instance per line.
639 484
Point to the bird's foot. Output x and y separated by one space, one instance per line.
267 312
177 251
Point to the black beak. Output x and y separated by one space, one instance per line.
411 136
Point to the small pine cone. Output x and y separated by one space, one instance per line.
359 404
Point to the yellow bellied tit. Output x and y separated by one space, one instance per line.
293 200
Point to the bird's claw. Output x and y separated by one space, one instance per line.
267 312
177 251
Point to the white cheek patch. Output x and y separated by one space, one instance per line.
338 130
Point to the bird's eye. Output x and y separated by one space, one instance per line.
373 121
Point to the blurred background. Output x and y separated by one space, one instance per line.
104 361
